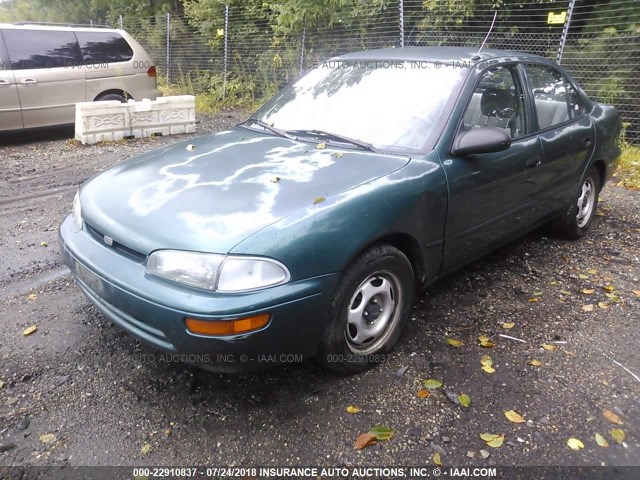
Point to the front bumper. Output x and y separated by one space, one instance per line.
153 310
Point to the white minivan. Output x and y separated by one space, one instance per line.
45 70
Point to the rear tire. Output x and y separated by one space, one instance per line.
575 220
112 96
369 310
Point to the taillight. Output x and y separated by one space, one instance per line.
152 71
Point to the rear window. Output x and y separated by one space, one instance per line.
104 47
41 49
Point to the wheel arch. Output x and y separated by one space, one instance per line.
407 244
115 91
601 168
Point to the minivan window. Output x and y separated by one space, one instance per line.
104 47
4 62
30 49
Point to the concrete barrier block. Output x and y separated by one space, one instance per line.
112 120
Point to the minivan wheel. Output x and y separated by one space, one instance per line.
576 219
112 96
368 311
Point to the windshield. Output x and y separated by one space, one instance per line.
394 105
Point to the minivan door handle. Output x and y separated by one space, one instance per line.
27 82
4 83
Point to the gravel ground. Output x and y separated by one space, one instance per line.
79 391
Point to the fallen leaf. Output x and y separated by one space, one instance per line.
600 440
496 442
587 308
487 437
29 330
575 444
32 296
454 342
44 244
2 384
603 305
321 146
464 399
337 154
537 293
145 449
582 276
488 369
636 293
613 297
352 409
534 300
592 271
535 363
508 325
514 416
486 360
486 341
618 435
565 292
436 459
608 288
548 347
364 440
431 384
423 393
381 432
47 438
588 291
612 417
318 200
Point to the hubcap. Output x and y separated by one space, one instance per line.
586 201
373 312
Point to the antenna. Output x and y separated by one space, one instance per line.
477 55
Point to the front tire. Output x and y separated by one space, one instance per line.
576 219
368 311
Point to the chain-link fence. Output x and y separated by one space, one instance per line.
238 52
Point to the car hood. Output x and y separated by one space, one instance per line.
210 193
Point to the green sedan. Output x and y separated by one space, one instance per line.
307 230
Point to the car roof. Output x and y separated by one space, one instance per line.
62 28
438 54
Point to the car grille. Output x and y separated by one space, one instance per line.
117 247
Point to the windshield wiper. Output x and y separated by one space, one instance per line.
332 136
266 126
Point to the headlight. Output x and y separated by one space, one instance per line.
77 210
217 272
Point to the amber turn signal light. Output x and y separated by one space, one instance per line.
227 327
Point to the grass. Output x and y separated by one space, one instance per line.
628 174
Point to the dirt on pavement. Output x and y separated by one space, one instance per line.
79 391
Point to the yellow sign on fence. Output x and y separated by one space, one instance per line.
220 32
557 18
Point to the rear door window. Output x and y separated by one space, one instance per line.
104 47
29 49
556 99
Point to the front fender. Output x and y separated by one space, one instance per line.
326 236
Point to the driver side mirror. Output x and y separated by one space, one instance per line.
481 140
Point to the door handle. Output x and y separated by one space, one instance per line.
4 83
587 142
534 162
27 82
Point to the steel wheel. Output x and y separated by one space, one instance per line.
586 202
373 312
